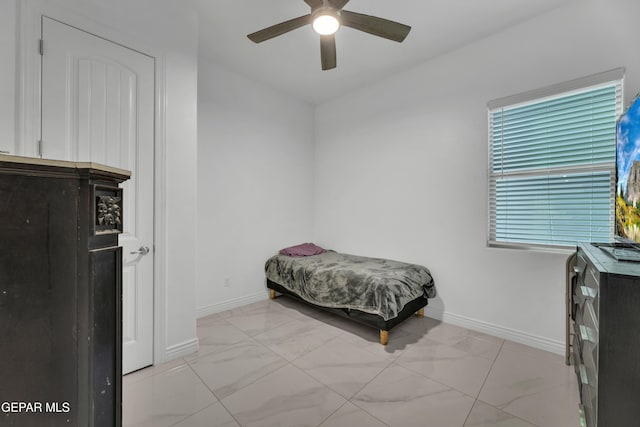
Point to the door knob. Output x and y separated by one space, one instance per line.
142 250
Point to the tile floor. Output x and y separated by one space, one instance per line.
282 363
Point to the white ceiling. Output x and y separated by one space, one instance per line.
291 62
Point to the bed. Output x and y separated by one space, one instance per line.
376 292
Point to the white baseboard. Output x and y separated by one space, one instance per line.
515 335
232 303
183 349
547 344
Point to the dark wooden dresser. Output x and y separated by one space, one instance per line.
60 293
606 338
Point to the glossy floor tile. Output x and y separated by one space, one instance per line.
215 415
342 366
165 398
483 415
449 365
297 337
400 397
287 397
350 415
283 363
227 371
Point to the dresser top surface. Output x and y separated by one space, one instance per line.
27 162
607 264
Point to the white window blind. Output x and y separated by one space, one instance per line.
552 163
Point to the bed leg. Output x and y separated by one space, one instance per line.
384 337
272 294
420 312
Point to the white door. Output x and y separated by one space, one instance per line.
98 105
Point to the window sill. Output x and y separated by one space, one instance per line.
564 250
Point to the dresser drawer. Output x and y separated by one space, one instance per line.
581 267
586 333
591 277
587 283
581 416
588 397
589 320
589 417
583 293
576 347
591 288
577 356
589 357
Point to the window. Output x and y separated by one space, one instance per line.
552 163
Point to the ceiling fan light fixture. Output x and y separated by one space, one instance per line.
326 18
326 23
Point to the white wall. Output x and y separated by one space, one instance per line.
167 30
7 74
401 166
255 183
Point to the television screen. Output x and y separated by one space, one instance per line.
627 226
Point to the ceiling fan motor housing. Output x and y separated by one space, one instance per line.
326 21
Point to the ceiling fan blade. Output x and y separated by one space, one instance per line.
279 29
328 52
338 4
373 25
314 3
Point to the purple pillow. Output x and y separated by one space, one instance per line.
304 249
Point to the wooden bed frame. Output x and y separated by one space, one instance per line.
413 307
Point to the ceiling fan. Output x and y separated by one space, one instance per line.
326 17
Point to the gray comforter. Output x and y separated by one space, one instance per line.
336 280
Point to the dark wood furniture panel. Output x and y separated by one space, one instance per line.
606 344
60 293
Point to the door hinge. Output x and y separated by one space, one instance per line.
41 46
40 148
